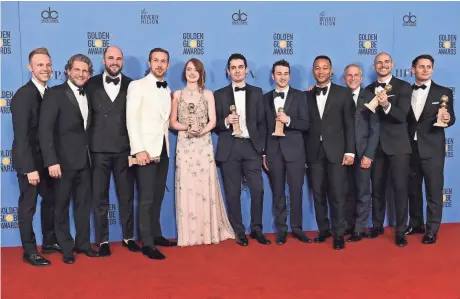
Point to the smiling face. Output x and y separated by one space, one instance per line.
423 70
113 61
322 71
383 64
40 66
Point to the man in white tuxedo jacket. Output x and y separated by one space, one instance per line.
147 117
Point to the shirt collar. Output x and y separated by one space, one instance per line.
152 77
328 86
72 86
233 86
285 91
104 75
40 87
387 81
428 84
357 90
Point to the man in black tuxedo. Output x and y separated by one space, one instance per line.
64 119
329 145
428 148
393 152
109 146
367 130
33 178
241 153
285 155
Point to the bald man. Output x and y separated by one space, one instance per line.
109 146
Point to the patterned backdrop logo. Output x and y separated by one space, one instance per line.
326 21
59 75
50 16
9 217
5 101
447 198
239 18
403 73
283 43
6 160
449 147
447 44
149 19
409 20
98 42
193 43
367 43
5 42
112 214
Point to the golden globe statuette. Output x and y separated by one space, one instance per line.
442 108
192 123
236 127
279 126
372 105
133 160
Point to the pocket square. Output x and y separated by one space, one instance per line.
391 95
435 103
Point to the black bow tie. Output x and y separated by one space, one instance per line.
377 84
279 94
416 87
319 90
109 80
240 88
81 91
163 84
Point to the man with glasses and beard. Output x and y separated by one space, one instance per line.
65 117
148 107
109 147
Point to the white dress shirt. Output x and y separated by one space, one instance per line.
356 95
41 88
379 88
111 89
418 101
240 103
82 102
279 102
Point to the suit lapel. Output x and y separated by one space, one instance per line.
248 105
329 100
289 97
71 96
359 104
428 101
271 103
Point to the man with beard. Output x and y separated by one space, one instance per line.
329 145
109 146
64 120
240 153
147 117
285 155
428 148
33 177
393 151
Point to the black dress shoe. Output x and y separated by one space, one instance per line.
162 241
51 248
401 241
356 237
281 239
301 237
68 259
36 259
339 243
132 245
88 252
153 253
242 240
411 230
429 238
322 236
375 232
259 236
104 250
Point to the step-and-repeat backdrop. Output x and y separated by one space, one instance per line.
263 31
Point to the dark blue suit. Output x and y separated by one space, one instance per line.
367 130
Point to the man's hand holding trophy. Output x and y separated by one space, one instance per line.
381 98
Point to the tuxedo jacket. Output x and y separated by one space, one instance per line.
147 117
63 137
367 127
431 140
255 120
25 112
337 127
108 132
394 139
291 145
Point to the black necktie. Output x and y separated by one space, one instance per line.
46 90
377 84
416 87
240 88
279 94
81 91
163 84
319 90
112 80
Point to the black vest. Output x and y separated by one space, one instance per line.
108 132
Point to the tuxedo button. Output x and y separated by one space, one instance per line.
105 115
